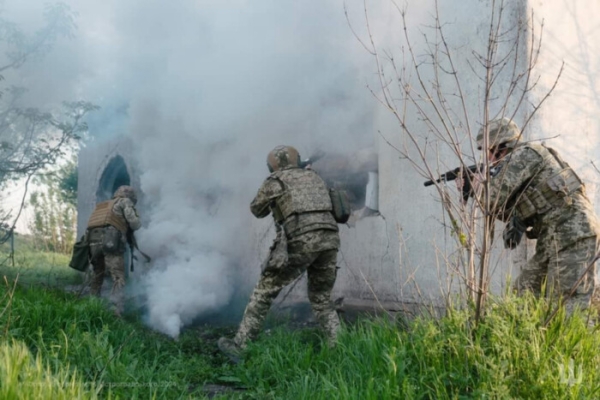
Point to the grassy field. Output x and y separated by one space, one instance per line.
34 267
55 346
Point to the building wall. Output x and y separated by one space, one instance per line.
402 254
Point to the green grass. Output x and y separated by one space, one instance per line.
121 358
53 345
510 355
34 267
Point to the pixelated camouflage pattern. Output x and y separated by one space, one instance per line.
561 269
103 262
300 221
529 166
113 263
500 131
304 192
282 157
126 192
321 269
312 245
563 233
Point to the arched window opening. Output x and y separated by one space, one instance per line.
114 175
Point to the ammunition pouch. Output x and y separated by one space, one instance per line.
555 192
513 232
278 255
112 241
80 259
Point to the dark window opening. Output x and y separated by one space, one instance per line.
357 175
115 174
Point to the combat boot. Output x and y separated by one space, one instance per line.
230 349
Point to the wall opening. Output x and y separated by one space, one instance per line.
357 174
114 175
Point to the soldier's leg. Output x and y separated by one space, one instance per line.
532 275
115 264
565 269
98 268
265 291
321 278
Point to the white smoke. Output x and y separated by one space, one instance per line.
205 89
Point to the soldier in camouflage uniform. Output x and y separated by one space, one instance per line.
107 230
301 207
533 186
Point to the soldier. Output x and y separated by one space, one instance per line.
107 229
536 192
302 209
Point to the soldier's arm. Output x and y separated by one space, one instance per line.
131 215
269 190
521 166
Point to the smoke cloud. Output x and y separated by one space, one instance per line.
205 89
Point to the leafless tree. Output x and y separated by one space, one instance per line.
424 88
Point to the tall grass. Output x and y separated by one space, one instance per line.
23 376
34 267
509 355
121 359
54 345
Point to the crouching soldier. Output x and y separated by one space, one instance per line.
307 240
107 229
537 193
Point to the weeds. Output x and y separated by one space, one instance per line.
53 345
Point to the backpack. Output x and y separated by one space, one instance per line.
81 255
341 205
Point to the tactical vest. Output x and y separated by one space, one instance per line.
104 215
552 187
304 191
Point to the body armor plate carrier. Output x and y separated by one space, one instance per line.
104 215
304 192
553 191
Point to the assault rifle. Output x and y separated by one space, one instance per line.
134 246
467 175
312 159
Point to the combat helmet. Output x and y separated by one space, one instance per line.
282 157
126 192
501 131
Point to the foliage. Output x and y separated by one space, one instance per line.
67 182
121 359
54 225
509 354
23 376
34 267
30 138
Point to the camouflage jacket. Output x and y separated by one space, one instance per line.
529 166
125 208
309 211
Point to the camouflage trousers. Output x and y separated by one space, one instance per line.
560 270
321 273
115 264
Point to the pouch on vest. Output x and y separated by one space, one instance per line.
278 256
81 255
111 241
341 206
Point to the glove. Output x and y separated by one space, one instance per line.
513 232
